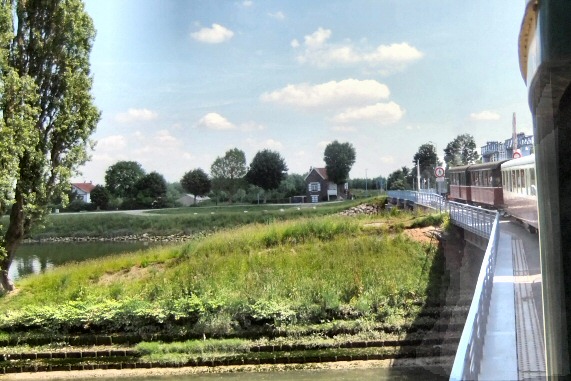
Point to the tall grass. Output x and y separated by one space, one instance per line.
294 272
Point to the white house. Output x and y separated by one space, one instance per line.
83 191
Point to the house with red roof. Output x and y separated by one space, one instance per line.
319 188
83 191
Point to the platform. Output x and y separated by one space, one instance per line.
513 344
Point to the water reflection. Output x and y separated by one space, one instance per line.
37 258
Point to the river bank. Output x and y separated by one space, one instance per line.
322 289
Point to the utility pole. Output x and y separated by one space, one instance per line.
366 181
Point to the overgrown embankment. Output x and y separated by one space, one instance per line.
293 281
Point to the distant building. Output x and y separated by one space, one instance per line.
319 188
496 151
83 191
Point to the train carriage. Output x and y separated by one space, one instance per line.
486 184
519 189
459 184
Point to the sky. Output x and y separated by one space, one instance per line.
180 82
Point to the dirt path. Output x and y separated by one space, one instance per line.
112 373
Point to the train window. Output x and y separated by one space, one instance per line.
513 185
532 181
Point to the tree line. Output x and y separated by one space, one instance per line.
128 186
460 151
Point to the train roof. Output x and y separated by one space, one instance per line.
485 166
462 168
477 167
522 161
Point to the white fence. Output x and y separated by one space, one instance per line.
486 224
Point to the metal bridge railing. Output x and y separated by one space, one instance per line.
486 224
470 349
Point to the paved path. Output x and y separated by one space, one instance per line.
513 345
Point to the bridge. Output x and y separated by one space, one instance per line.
502 338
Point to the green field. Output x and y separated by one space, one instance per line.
189 220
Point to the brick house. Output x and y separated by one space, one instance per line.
319 188
83 191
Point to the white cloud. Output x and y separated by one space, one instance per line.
215 121
329 94
277 15
485 115
164 137
317 38
214 35
251 126
344 129
136 115
111 143
381 113
323 144
247 3
265 144
319 52
394 53
387 159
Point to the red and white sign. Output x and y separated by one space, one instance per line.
439 172
517 154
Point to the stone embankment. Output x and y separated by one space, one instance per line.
367 209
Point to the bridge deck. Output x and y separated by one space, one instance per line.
513 344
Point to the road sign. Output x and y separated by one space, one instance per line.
516 154
440 179
439 172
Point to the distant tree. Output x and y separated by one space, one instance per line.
292 185
461 151
267 170
228 171
196 182
47 113
427 158
174 193
121 177
400 179
100 197
339 158
151 191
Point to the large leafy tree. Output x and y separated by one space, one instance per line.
400 179
196 182
228 171
47 111
267 170
292 185
461 151
100 197
427 158
151 191
339 158
121 177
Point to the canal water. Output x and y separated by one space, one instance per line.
37 258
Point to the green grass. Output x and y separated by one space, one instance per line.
262 276
189 220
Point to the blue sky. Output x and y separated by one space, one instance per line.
180 82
